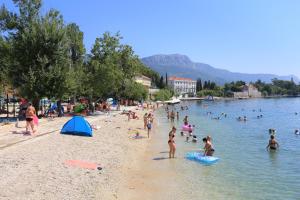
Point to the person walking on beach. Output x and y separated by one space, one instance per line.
273 144
171 143
145 120
149 124
177 116
30 114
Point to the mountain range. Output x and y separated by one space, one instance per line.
182 66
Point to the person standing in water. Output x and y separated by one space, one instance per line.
172 116
171 143
208 148
30 113
273 144
185 120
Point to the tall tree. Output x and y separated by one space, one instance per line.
167 79
199 85
205 86
161 82
39 56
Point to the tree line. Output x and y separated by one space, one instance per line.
275 88
42 56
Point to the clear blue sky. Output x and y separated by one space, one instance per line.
255 36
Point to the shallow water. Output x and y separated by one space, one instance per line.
246 170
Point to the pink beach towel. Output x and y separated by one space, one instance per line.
81 164
35 120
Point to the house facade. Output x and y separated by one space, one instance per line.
144 80
182 86
248 91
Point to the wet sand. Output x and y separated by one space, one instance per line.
155 176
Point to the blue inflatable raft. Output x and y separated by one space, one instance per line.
206 160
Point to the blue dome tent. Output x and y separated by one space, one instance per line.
77 126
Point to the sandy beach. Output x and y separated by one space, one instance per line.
34 167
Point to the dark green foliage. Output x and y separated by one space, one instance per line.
207 92
199 85
278 87
112 69
163 95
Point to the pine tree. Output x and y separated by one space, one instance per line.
205 85
161 82
167 79
198 85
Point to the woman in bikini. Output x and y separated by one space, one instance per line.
30 113
208 149
171 143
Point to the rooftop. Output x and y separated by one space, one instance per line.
174 78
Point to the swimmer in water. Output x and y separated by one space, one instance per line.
297 132
273 144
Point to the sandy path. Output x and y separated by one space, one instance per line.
34 169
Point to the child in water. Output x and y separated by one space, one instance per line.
273 144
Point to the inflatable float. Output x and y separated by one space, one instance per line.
187 128
206 160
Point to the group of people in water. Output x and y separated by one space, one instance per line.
208 148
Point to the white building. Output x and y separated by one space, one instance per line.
182 86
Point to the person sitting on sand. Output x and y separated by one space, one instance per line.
30 113
273 144
171 143
134 116
129 115
208 149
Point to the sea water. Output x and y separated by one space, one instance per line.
246 170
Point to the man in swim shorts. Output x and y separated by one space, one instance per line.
273 144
